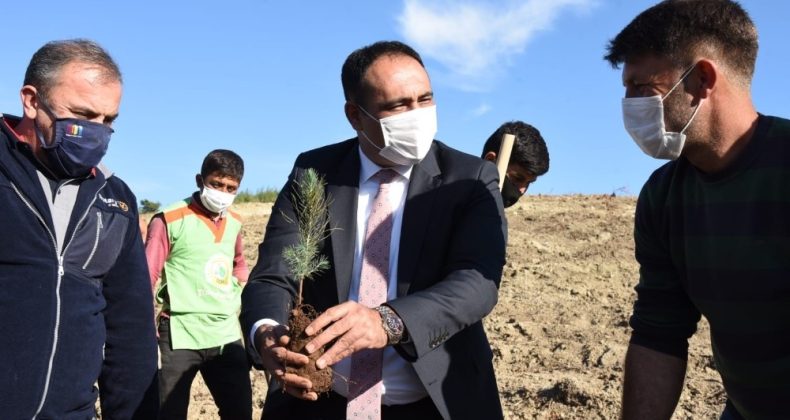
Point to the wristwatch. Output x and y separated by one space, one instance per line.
392 324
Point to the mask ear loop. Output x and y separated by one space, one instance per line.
682 78
368 114
370 142
39 131
46 107
692 117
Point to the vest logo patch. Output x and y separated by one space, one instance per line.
111 202
218 272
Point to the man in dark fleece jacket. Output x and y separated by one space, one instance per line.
75 303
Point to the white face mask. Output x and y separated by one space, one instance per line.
407 136
644 121
216 201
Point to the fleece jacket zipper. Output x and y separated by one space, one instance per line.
61 272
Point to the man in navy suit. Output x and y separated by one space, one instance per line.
443 267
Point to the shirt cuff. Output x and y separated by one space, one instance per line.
255 326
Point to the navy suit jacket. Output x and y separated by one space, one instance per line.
452 250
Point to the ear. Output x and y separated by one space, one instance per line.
706 75
353 116
28 95
199 181
490 156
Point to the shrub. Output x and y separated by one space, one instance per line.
263 195
148 206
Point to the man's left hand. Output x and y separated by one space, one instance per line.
356 327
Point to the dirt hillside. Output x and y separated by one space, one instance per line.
560 329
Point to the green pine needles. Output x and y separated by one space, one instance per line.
311 207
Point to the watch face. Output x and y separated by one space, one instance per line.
393 326
393 323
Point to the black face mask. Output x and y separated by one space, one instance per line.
510 193
77 145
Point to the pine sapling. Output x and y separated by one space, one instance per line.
305 260
311 207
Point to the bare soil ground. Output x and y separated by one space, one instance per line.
560 330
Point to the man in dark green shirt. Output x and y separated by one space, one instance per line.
712 230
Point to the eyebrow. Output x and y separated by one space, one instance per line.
90 114
630 80
407 99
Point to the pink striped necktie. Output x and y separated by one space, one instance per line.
365 386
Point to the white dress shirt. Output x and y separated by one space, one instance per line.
400 382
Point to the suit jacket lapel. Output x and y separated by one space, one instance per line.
343 190
416 217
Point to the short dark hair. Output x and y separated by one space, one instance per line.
677 29
360 60
529 148
224 162
46 63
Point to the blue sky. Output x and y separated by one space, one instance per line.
263 78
